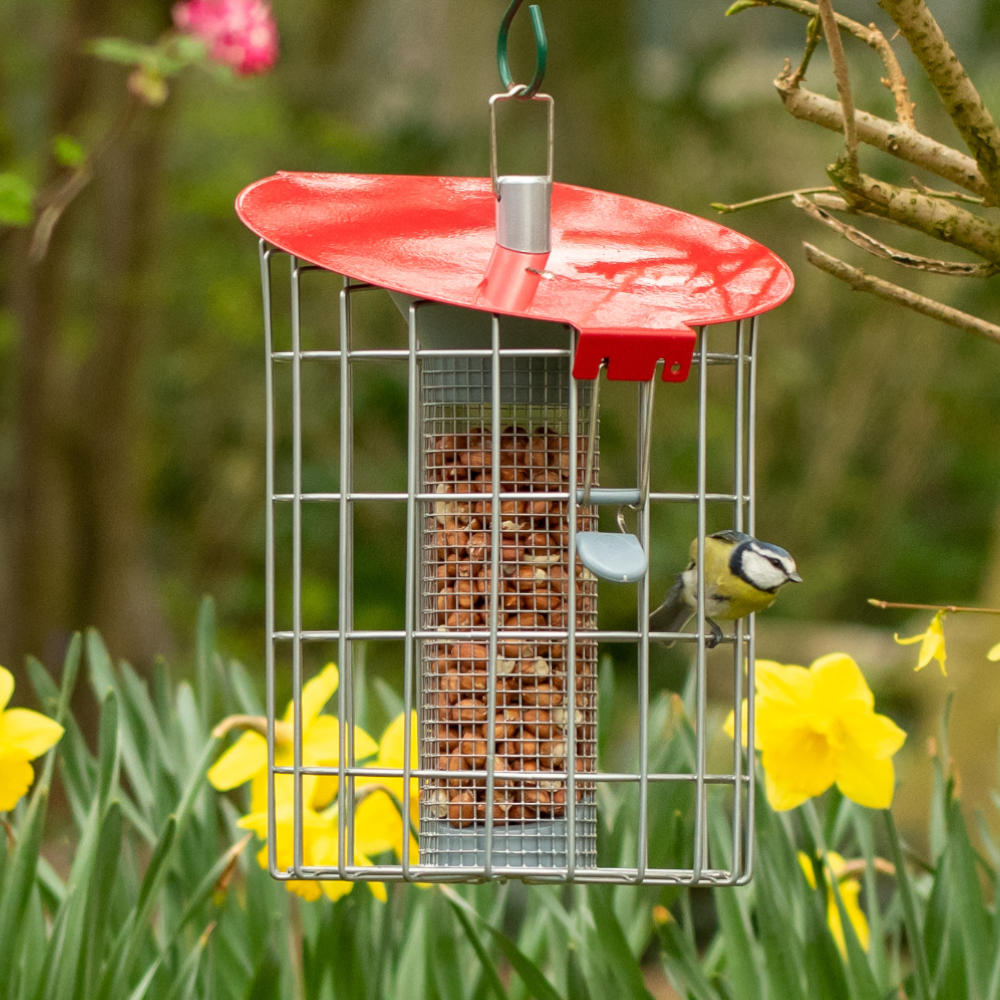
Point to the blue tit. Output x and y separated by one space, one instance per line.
742 575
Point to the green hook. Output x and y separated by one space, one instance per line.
541 50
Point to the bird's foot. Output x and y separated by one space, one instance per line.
715 636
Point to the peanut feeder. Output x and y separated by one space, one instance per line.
516 292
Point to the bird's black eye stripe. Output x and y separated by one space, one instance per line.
776 563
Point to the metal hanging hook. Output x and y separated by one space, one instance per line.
541 50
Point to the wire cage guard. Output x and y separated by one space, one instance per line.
500 638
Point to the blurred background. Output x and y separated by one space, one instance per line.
132 363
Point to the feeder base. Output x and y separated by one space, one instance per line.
537 844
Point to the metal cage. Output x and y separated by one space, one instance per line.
498 643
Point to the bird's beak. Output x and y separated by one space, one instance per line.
795 578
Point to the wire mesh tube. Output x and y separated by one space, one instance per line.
508 686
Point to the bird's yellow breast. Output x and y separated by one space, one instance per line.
728 596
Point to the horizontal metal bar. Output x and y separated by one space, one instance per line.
598 777
483 634
334 497
606 495
403 353
473 873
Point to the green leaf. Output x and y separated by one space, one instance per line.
68 151
613 944
907 895
443 959
98 897
205 643
682 965
742 5
17 200
532 977
133 934
966 901
109 749
19 881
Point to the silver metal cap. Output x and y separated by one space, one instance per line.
523 212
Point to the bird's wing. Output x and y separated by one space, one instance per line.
673 614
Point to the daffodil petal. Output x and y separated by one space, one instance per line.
798 764
854 912
807 868
16 775
839 679
378 825
257 822
786 684
316 692
321 742
6 687
241 762
873 735
994 653
29 732
866 780
390 748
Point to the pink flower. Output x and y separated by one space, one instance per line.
239 33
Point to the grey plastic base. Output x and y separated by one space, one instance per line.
533 844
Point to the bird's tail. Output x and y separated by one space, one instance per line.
674 613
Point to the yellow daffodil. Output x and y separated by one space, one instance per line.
24 735
246 759
994 653
849 888
817 726
320 844
378 816
931 644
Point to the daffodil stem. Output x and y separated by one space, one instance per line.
949 608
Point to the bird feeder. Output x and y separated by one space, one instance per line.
516 293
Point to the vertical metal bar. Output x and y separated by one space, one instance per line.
296 346
345 785
264 255
751 439
571 576
413 479
495 524
739 649
700 685
643 416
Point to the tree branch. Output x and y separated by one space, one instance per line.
860 281
901 141
961 99
947 222
878 249
840 73
871 36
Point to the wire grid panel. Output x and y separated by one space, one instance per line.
496 774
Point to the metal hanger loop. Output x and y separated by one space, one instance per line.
541 51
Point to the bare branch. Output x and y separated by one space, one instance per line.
841 75
879 249
961 99
871 36
898 140
767 198
861 281
947 222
